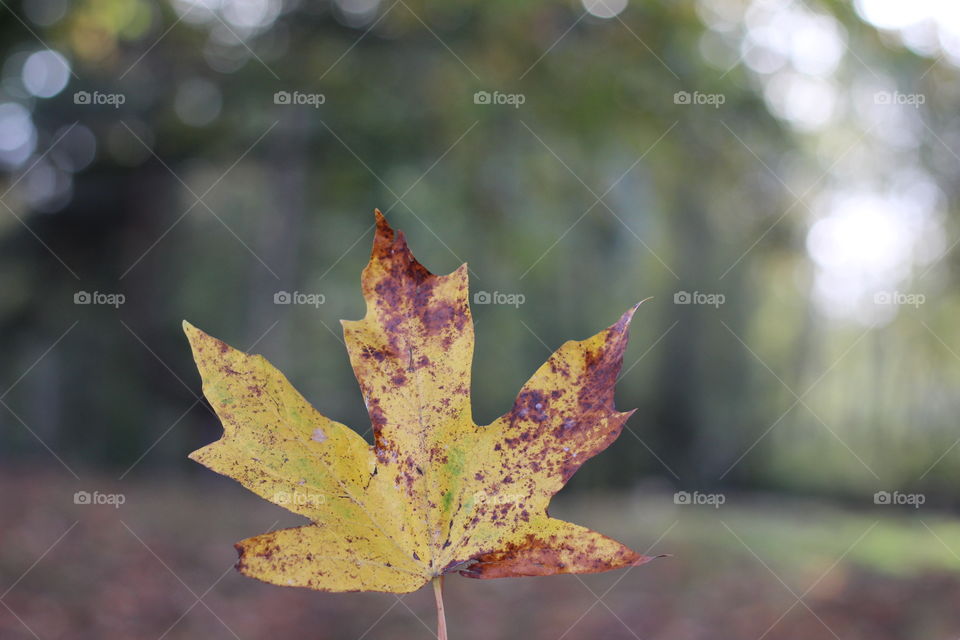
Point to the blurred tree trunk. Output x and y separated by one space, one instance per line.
678 410
280 229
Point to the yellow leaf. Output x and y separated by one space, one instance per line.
436 493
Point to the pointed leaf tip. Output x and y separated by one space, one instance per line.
193 332
380 219
629 313
195 336
384 232
390 254
623 324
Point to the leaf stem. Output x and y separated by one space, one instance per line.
441 617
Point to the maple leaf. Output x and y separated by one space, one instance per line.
436 493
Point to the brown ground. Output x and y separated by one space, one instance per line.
901 581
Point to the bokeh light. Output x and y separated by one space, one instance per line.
18 136
869 243
604 8
356 13
45 73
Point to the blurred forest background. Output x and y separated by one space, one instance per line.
781 176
